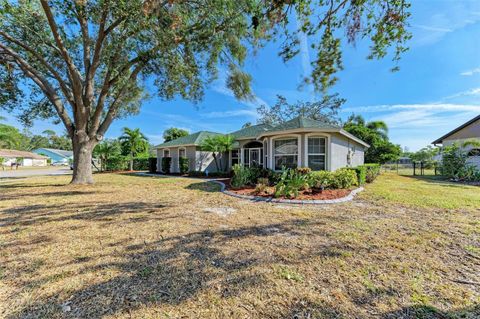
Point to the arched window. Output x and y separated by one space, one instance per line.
474 152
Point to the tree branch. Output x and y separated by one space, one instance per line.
65 90
44 85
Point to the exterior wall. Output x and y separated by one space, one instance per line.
471 131
190 153
25 162
204 161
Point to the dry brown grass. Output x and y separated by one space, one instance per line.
138 247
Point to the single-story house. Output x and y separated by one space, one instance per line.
22 158
57 156
469 130
300 142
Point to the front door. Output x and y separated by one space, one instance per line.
254 158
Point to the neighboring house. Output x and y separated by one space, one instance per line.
465 132
22 158
300 142
57 156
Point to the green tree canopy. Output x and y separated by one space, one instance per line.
375 133
106 150
325 110
133 143
86 63
218 144
173 133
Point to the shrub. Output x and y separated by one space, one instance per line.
373 170
455 165
116 163
361 172
344 178
291 182
304 170
321 179
183 163
152 164
141 164
166 164
241 176
262 185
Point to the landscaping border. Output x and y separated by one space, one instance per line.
223 189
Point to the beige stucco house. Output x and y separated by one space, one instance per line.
22 158
465 132
300 142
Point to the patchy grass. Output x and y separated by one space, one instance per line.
423 192
139 247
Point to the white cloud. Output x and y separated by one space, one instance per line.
431 107
470 72
234 113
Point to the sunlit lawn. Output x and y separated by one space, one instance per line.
423 191
138 247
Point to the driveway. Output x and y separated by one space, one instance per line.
27 172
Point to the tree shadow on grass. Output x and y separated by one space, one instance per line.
206 186
430 312
174 270
440 181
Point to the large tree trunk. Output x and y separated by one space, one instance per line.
82 162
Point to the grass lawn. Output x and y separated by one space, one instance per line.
139 247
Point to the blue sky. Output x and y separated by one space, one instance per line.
436 89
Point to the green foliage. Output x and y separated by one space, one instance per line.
361 172
304 170
455 164
344 178
291 183
9 136
325 110
173 133
262 185
134 144
375 134
2 160
105 150
116 163
218 144
241 176
373 170
183 163
166 164
321 179
152 165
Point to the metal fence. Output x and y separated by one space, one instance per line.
413 168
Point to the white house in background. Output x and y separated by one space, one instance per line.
300 142
22 158
465 132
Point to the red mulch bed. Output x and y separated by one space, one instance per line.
308 195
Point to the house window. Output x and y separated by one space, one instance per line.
285 153
474 152
181 152
316 153
235 157
166 153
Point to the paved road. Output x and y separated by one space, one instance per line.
35 172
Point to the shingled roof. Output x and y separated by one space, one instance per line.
192 139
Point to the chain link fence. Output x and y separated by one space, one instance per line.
413 168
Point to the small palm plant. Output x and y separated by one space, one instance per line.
218 144
105 151
133 142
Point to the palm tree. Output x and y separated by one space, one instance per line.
218 144
134 142
379 127
104 151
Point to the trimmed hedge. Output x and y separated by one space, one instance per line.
183 163
152 164
361 172
140 164
166 164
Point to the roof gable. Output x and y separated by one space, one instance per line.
192 139
251 131
61 153
301 122
461 127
